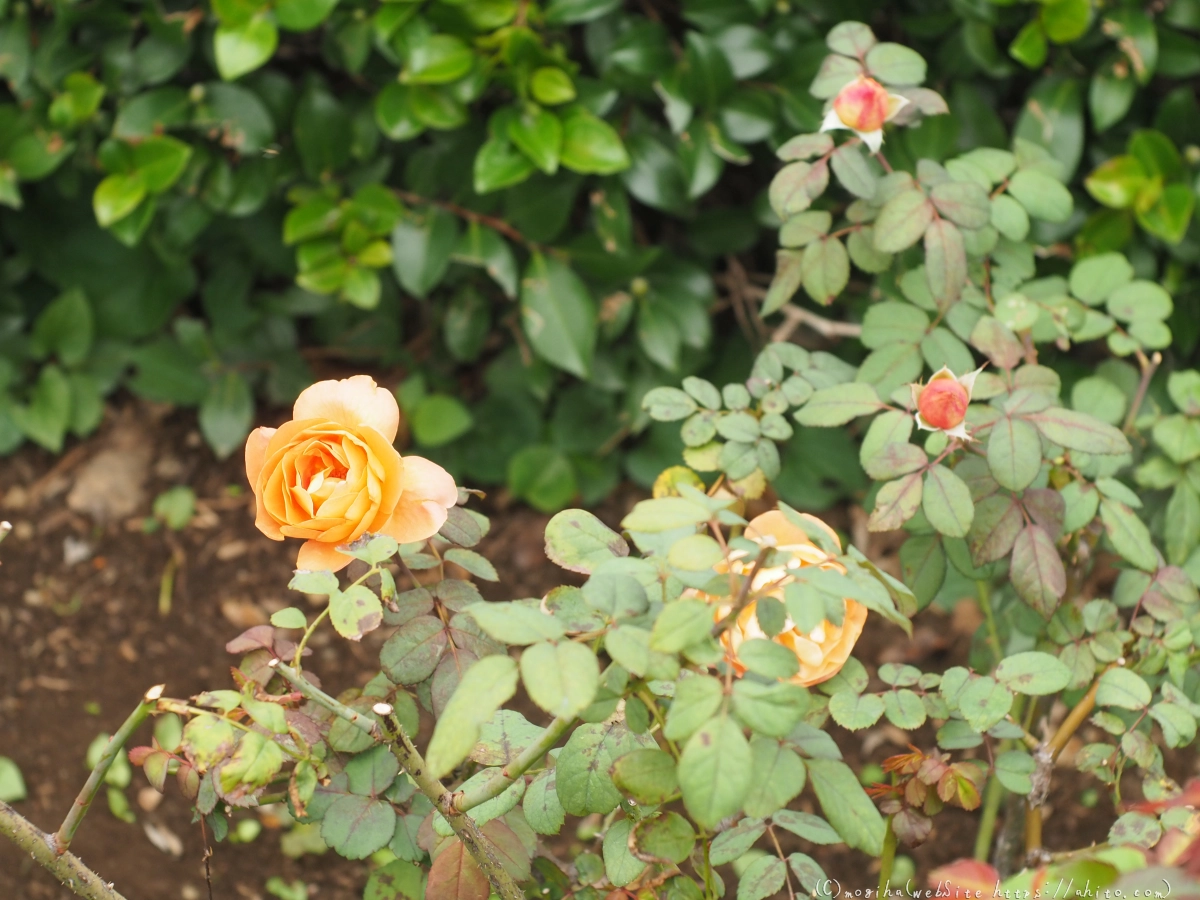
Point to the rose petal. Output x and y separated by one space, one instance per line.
429 481
318 555
415 521
256 452
351 402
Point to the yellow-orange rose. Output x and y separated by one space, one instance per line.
331 474
821 652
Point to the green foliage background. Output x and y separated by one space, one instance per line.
525 208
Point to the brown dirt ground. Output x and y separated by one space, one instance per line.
81 638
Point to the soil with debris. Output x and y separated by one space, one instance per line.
95 608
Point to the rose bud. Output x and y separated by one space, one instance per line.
942 403
862 106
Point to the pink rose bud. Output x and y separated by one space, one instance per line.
862 105
943 403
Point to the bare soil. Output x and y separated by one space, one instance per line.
82 637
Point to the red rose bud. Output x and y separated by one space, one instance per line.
862 105
943 403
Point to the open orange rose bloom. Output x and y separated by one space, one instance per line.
331 474
821 652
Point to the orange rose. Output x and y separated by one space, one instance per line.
331 474
821 652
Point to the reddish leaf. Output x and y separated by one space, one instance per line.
912 827
994 529
258 637
1037 571
454 875
966 875
1047 508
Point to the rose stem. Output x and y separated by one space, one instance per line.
66 832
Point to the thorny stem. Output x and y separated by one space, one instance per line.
887 858
66 832
1149 365
66 867
476 843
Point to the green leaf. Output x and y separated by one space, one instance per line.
1094 278
484 688
437 59
697 699
812 828
838 405
847 807
1043 197
439 419
984 703
398 880
1122 688
762 878
714 771
590 145
560 678
1033 673
897 502
543 476
12 784
1128 534
355 611
357 826
582 770
539 135
117 196
543 810
945 262
1014 769
646 775
855 711
1182 524
825 270
902 221
559 315
302 15
289 618
516 623
1079 431
160 160
680 624
411 654
895 65
962 202
578 541
947 502
226 413
1117 182
421 248
1139 300
65 329
1066 20
241 49
474 563
1037 570
1014 453
44 419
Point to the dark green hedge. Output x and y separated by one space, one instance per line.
526 209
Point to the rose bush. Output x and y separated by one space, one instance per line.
1057 489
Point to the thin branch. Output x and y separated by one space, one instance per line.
66 867
794 316
1148 368
507 776
477 844
66 832
743 596
471 215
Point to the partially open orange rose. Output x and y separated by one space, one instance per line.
821 652
331 474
